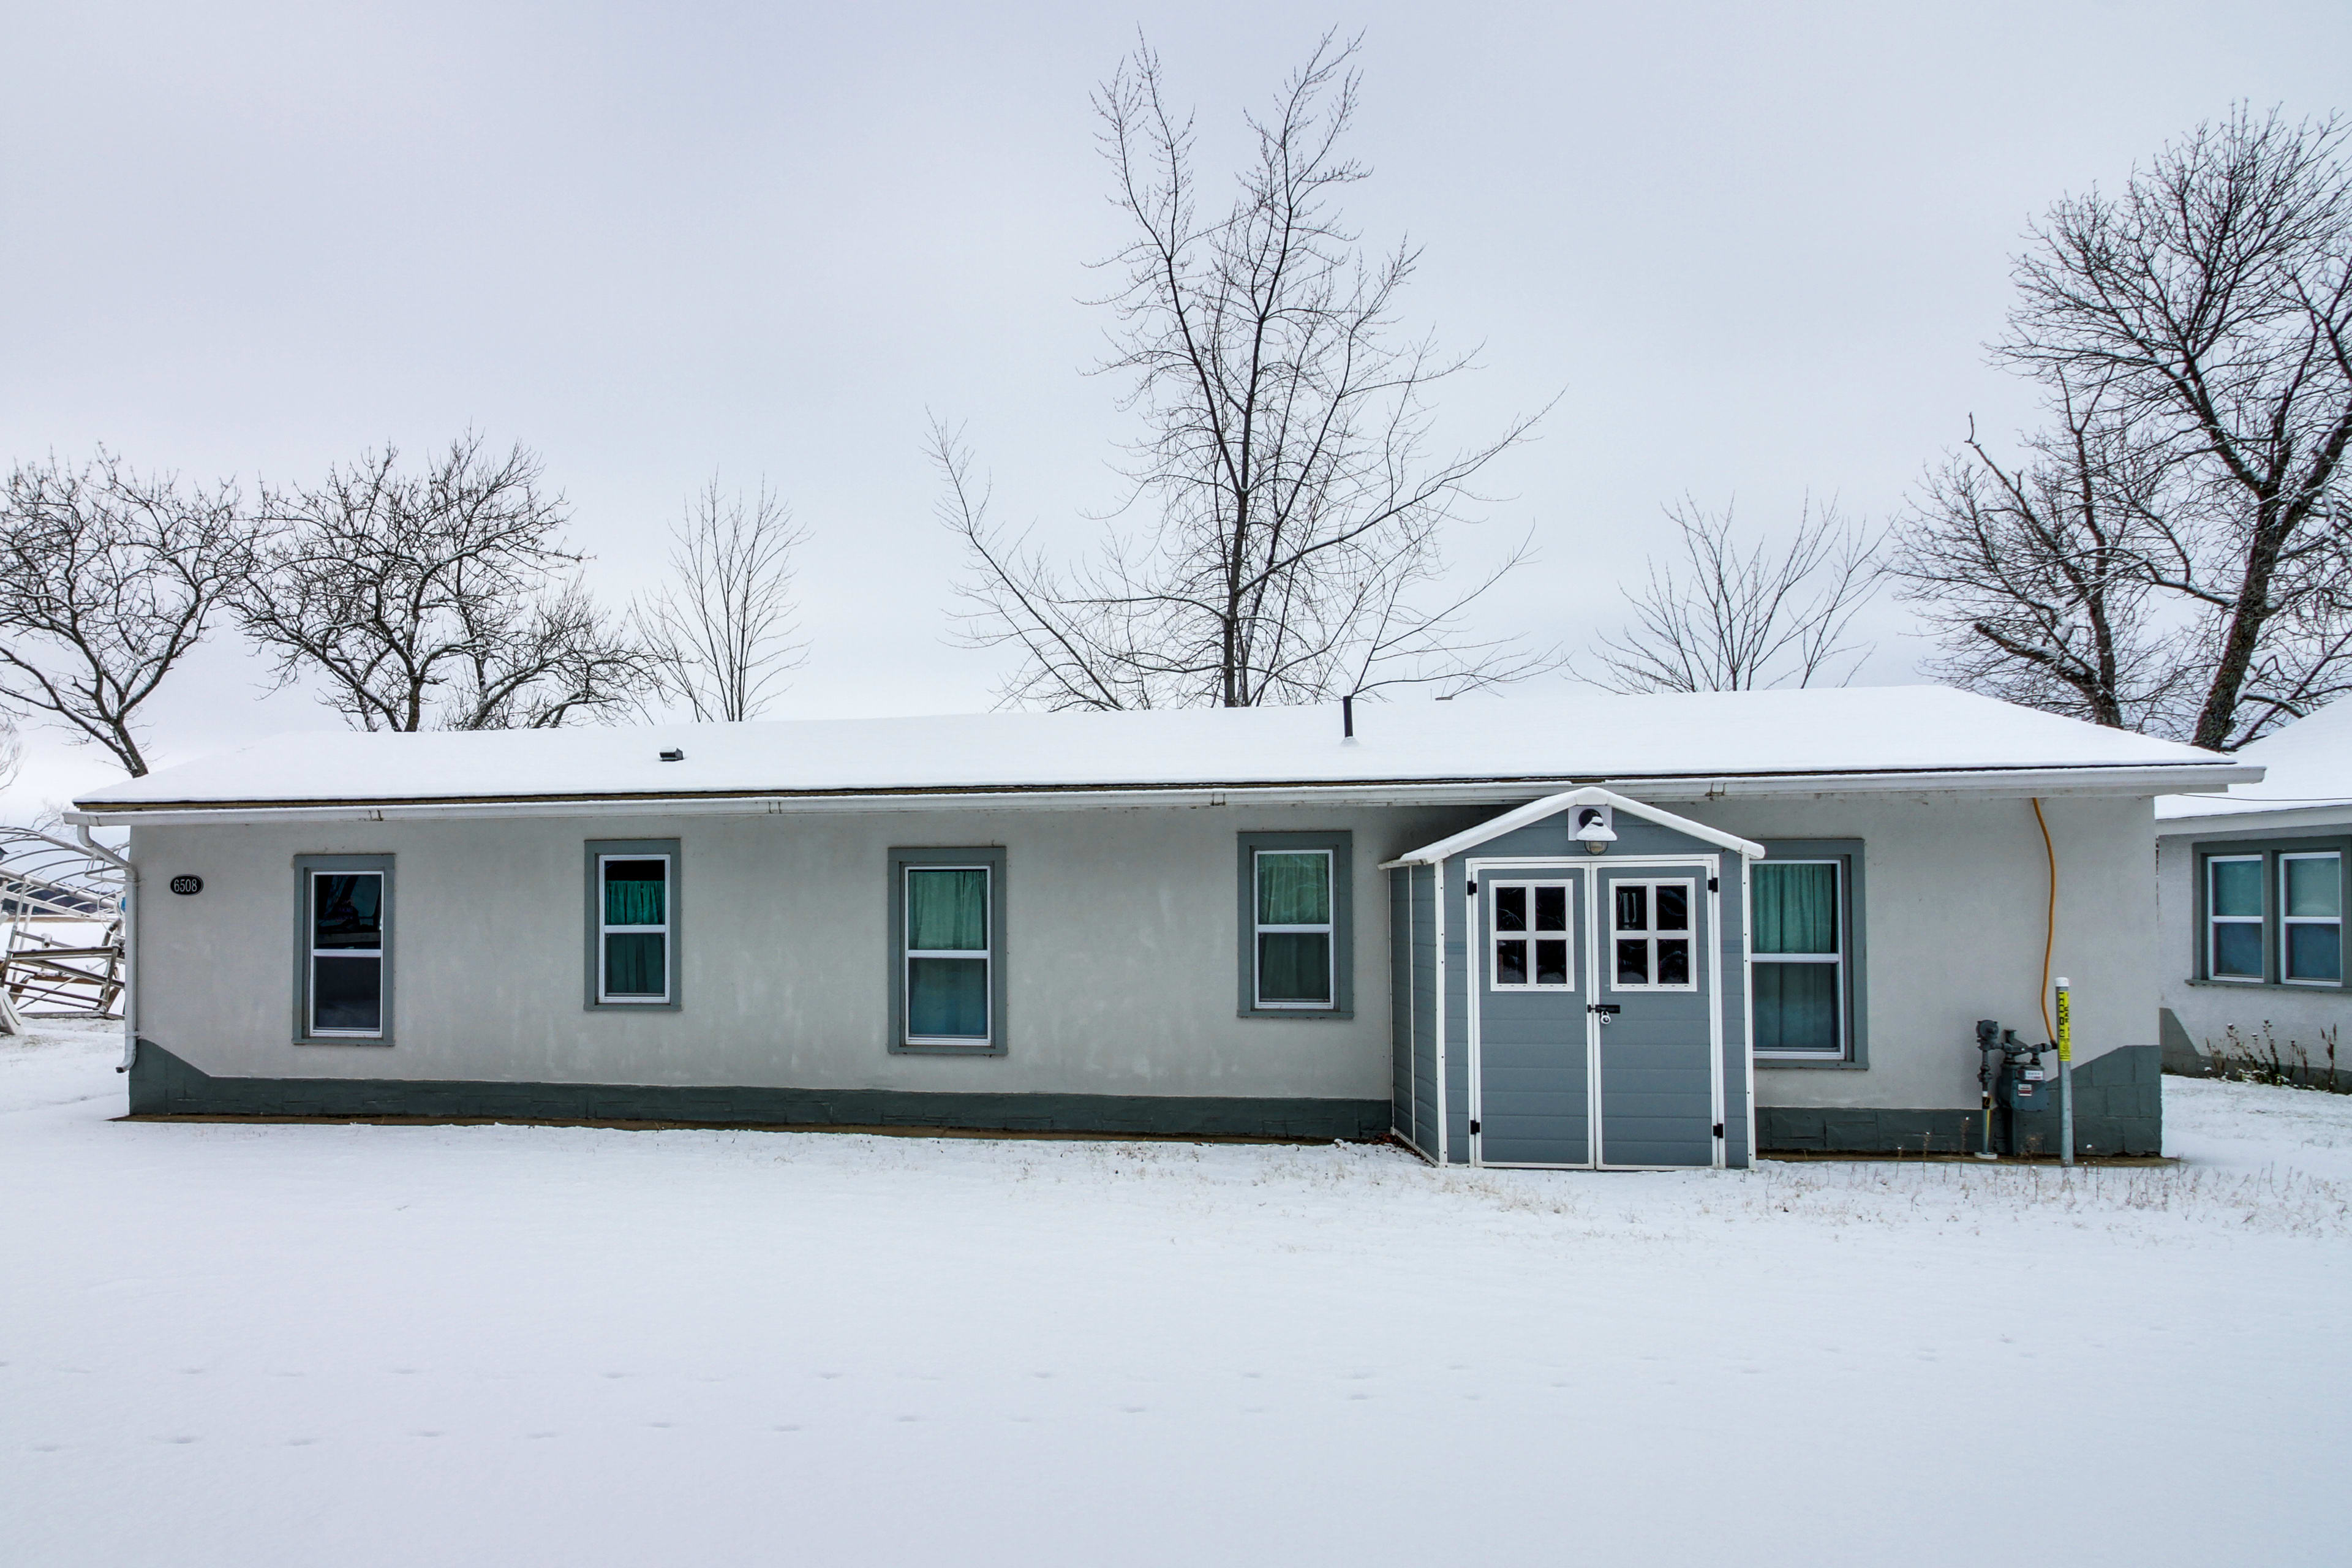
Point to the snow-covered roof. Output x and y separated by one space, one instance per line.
1492 748
2307 780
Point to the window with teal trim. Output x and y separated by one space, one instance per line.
634 945
1798 957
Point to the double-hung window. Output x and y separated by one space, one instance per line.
2233 917
344 904
632 924
947 957
2311 919
1294 928
1797 954
1295 924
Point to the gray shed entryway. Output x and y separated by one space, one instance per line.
1569 985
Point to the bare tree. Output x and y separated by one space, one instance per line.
108 578
721 633
441 599
12 751
1738 616
2037 572
2211 302
1294 550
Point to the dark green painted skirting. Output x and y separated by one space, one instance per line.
163 1084
2118 1110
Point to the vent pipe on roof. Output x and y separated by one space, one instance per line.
1348 718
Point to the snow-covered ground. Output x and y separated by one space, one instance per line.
362 1345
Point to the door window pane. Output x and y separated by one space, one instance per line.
1551 963
1674 960
1797 1007
1673 909
347 994
1510 909
1294 966
1551 909
1632 909
948 998
1511 962
1632 962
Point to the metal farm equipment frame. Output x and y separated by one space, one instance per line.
46 884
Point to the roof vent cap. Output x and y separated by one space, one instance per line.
673 756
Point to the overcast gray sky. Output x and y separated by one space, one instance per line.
1757 249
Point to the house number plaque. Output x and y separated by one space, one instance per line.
187 884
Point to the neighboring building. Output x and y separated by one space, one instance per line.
2251 891
1204 921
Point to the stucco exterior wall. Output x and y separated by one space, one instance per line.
2263 1015
1119 928
1953 927
1121 941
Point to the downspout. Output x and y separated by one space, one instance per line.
130 942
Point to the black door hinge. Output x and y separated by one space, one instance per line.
1474 1127
1473 889
1718 1130
1713 886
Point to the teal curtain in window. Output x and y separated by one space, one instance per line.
1796 908
633 963
947 998
2314 886
1294 966
2237 887
1293 889
947 910
1797 1006
633 892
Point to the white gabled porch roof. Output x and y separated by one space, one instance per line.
1446 849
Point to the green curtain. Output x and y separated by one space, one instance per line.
2314 886
633 892
1796 1005
947 998
947 911
1796 909
1294 966
633 963
2237 887
1293 889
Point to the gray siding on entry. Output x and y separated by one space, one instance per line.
1399 912
1456 1028
1425 1009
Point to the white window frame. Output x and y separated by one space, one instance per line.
1845 1006
1611 935
1328 929
604 996
1496 935
2285 946
383 938
987 955
2213 922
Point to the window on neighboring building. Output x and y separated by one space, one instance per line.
946 950
344 907
632 924
2234 914
2311 918
1528 925
1296 937
1650 936
1797 932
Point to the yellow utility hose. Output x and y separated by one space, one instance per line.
2049 921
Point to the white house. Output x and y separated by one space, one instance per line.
1576 930
2251 890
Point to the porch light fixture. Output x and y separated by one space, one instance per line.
1593 830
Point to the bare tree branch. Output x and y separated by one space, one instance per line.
720 633
437 600
1298 513
1737 617
107 579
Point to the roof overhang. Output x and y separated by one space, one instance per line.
1552 805
2106 779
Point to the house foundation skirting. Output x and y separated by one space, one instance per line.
162 1084
2118 1110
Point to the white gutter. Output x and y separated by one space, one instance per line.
2096 779
129 940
